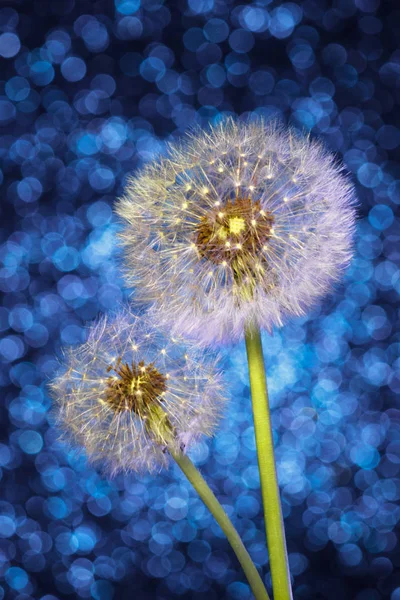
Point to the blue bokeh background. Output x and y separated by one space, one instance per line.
91 89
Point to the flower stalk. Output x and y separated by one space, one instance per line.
219 514
266 462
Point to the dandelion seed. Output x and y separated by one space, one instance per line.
292 213
127 408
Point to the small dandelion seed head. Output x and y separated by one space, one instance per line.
126 408
274 198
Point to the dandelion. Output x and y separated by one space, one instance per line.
133 397
130 393
246 222
235 229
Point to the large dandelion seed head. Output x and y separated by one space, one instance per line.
131 392
245 222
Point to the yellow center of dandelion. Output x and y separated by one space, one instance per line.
235 235
237 225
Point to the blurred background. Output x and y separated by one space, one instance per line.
89 90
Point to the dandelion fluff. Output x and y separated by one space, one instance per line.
131 392
246 222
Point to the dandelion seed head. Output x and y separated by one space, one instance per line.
275 228
131 392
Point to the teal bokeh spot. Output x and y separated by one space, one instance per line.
127 7
16 578
381 217
370 175
30 441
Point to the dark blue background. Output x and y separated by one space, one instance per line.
91 89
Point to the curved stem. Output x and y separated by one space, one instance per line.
209 499
266 463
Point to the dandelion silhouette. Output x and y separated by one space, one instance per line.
244 222
131 391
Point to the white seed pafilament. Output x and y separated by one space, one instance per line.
131 392
244 222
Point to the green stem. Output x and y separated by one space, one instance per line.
266 463
209 499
